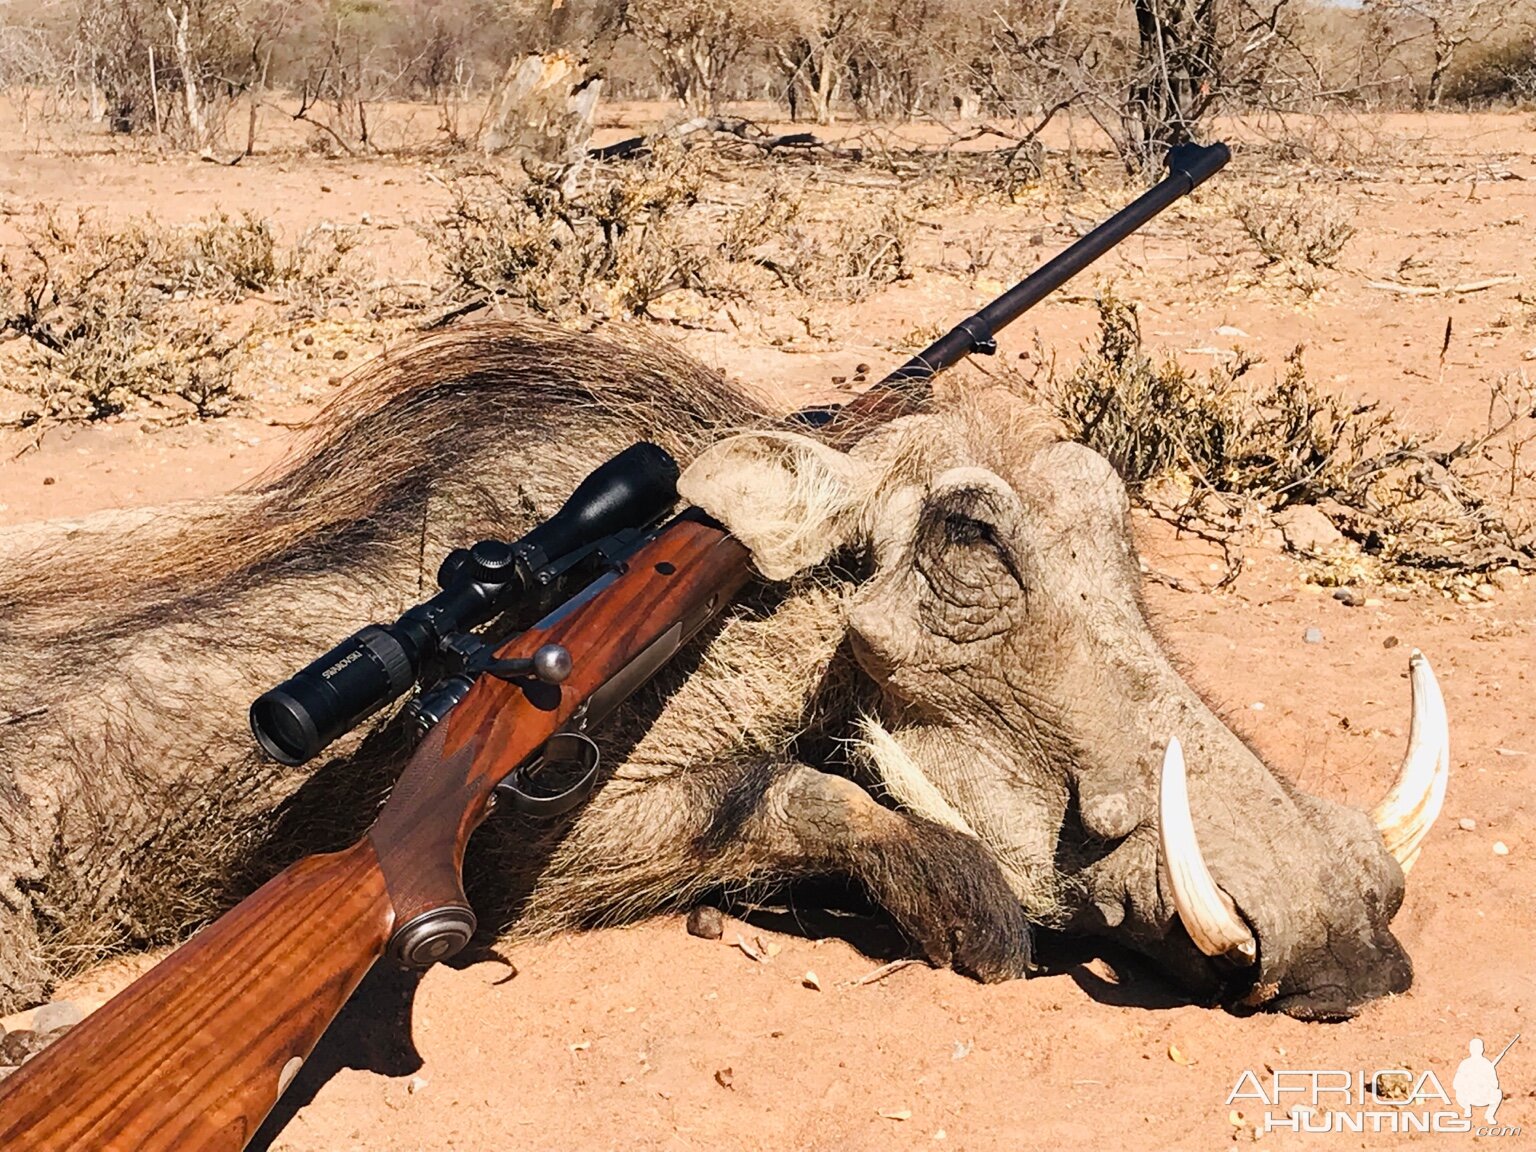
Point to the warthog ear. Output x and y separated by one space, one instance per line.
790 499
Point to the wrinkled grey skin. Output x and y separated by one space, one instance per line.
963 577
1003 623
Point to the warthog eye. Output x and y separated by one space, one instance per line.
958 546
962 529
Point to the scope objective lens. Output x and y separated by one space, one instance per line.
304 713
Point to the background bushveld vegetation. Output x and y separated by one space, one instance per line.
715 215
1145 71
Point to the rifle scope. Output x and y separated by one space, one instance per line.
379 663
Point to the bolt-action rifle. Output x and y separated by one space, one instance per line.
193 1055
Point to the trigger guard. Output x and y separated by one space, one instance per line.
513 788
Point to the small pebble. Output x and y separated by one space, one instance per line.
1500 848
339 354
1348 597
59 1014
415 1084
48 480
1466 824
706 923
20 1046
1391 642
861 369
1312 636
1257 705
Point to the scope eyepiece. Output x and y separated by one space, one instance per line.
304 713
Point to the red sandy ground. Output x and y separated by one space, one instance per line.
645 1037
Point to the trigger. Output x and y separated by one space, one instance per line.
561 777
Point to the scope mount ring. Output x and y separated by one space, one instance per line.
570 747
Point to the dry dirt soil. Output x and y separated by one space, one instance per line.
645 1037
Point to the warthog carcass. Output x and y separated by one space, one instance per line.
950 618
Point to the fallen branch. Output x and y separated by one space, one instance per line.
880 973
744 130
1439 289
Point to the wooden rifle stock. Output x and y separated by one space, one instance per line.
192 1056
195 1054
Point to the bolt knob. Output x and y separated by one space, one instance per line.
552 663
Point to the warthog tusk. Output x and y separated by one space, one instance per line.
1208 914
1407 812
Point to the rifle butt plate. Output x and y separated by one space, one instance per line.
432 936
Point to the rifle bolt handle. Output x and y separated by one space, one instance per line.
552 663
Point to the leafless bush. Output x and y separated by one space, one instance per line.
863 250
227 258
1295 227
91 301
116 317
563 248
1211 451
694 42
319 270
222 257
613 240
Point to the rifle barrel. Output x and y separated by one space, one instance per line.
1507 1047
1189 166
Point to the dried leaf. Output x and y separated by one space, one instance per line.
725 1078
1177 1056
811 980
750 951
769 949
898 1114
581 1046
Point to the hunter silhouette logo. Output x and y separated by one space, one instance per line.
1477 1080
1317 1100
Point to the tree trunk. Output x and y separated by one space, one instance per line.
1177 58
1443 55
544 108
197 127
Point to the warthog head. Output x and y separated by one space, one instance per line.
1025 699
